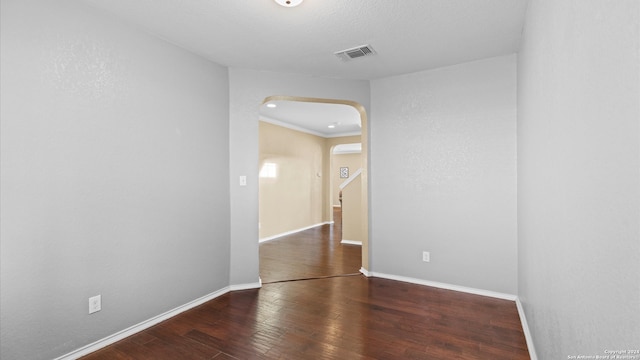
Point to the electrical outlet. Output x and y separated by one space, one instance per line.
95 304
426 256
243 180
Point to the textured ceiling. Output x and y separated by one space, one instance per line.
408 35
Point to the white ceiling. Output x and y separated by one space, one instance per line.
313 118
408 36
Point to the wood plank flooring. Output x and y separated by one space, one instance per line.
342 317
316 252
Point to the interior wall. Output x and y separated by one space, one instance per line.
332 186
353 162
114 181
295 198
443 175
352 227
578 171
248 89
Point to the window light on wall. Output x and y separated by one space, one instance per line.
269 170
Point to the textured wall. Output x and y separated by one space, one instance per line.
114 180
443 175
578 176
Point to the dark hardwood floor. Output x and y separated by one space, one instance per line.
316 252
333 317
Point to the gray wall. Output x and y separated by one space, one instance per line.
578 171
443 175
248 89
114 180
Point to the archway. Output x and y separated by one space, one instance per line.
363 139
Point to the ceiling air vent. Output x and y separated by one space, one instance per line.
356 52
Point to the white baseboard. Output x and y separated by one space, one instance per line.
85 350
493 294
351 242
440 285
256 285
293 231
365 272
527 332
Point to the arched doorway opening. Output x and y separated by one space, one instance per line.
268 163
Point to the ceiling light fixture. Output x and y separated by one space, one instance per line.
289 3
271 105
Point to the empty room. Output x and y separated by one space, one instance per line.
319 179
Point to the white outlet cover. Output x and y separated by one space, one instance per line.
95 304
426 256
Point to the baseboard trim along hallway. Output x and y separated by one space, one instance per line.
120 335
527 332
498 295
351 242
273 237
446 286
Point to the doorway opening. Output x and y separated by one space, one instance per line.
297 187
345 188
